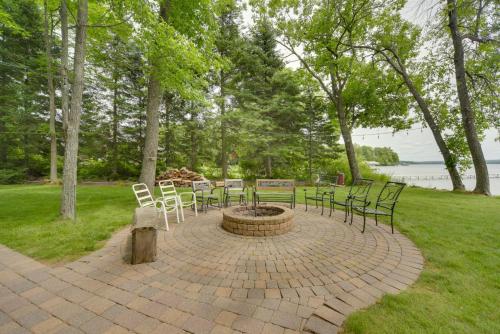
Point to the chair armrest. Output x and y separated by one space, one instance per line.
190 193
363 202
386 205
201 191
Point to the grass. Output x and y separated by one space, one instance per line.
29 220
459 235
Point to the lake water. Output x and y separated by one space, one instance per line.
429 176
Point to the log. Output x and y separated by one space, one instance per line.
144 235
181 177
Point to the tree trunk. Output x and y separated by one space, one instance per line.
468 117
148 170
346 135
449 159
141 127
223 130
169 135
64 66
3 139
68 198
50 87
269 166
336 97
193 154
26 150
150 152
310 143
114 172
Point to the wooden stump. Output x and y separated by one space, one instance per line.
143 245
144 235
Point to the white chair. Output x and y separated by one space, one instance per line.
145 199
168 191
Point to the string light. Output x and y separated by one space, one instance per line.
378 134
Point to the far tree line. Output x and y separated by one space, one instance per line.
122 88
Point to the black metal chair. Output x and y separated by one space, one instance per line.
359 190
205 195
386 202
323 192
235 189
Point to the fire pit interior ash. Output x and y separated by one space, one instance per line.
259 221
261 211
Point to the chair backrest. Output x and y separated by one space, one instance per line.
360 188
275 184
167 188
203 186
325 184
388 196
142 194
234 184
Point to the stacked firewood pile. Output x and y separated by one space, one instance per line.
181 177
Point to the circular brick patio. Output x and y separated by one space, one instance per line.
208 280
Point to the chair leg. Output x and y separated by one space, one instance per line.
376 220
364 221
322 206
346 212
306 203
179 206
352 217
166 219
331 208
177 214
195 209
162 208
392 224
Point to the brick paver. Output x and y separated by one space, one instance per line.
207 280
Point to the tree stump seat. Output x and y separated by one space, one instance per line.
144 234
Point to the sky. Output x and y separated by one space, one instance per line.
417 144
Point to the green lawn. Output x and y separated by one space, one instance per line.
459 235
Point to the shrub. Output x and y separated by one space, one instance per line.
92 169
10 176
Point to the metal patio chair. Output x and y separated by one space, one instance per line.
145 199
234 189
323 192
386 202
168 191
205 194
359 189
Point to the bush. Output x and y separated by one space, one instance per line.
10 176
92 169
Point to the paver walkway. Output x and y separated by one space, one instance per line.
207 280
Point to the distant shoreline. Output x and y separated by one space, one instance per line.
437 162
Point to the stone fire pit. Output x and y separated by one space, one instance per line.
261 221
